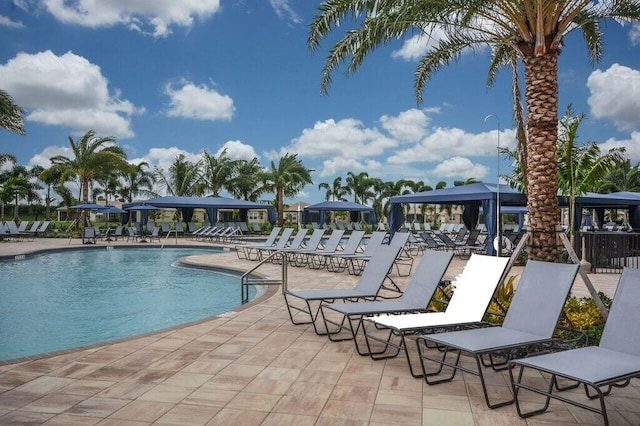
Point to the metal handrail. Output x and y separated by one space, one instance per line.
246 280
167 237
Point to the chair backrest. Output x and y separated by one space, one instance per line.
179 227
13 228
118 231
374 241
299 238
191 226
462 232
621 332
284 238
89 232
356 226
472 239
255 226
429 241
132 231
271 239
34 227
400 239
377 269
44 226
540 296
446 240
333 242
314 240
475 286
23 225
165 227
426 278
353 242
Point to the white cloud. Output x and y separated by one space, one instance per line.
338 165
418 45
138 15
460 167
67 90
198 102
614 95
43 158
444 143
236 150
164 157
632 146
410 125
634 34
7 22
347 138
285 11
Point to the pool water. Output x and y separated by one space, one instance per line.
64 300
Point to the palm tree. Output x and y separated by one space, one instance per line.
286 179
581 168
219 173
336 191
184 178
138 180
93 158
52 178
622 178
248 183
16 186
533 31
360 186
11 114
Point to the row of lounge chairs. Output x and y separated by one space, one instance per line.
321 251
9 231
382 328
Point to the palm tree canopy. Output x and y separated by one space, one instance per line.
183 179
11 114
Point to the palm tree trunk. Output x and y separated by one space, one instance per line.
541 83
280 205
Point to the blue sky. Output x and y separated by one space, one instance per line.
166 77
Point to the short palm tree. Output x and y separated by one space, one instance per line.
219 172
184 178
138 181
622 178
531 30
335 191
248 182
286 179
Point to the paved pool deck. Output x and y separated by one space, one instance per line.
253 367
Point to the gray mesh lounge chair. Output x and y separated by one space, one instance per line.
416 297
302 257
368 287
322 259
474 289
312 243
295 244
611 364
355 262
250 250
529 324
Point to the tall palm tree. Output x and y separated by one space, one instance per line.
93 158
11 114
360 185
286 179
184 178
17 186
219 172
52 178
533 31
335 191
581 167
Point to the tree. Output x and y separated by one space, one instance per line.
334 192
16 186
183 179
531 32
360 185
581 168
93 158
52 177
219 172
11 114
622 178
286 179
138 180
248 183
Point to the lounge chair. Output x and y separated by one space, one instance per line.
43 228
14 232
132 233
473 291
89 235
416 298
246 251
302 257
322 259
295 243
355 262
23 226
155 234
369 285
611 364
312 243
528 325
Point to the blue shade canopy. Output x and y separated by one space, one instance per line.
87 206
337 206
110 209
142 207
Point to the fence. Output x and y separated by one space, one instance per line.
609 252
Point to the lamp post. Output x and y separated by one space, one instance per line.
497 188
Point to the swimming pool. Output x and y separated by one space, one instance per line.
63 300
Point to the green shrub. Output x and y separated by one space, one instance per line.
584 315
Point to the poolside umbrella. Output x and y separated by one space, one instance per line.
109 210
86 206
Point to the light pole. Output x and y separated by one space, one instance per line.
497 188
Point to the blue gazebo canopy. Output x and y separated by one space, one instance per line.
337 206
210 204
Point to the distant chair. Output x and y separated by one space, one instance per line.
43 228
191 227
179 228
89 235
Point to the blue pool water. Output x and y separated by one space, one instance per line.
64 300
